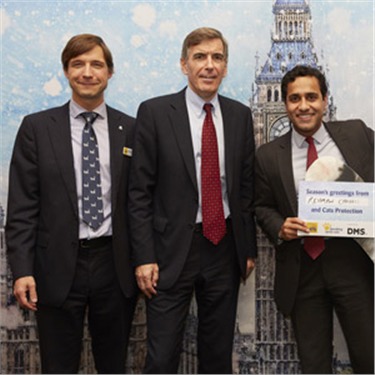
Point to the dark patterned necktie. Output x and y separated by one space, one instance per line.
92 203
314 246
213 220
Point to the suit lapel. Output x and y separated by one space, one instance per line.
117 134
229 140
60 136
342 141
285 170
181 127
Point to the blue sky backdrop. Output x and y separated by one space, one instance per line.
145 38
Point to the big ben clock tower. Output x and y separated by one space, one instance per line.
291 45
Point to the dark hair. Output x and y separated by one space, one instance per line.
83 43
303 71
197 36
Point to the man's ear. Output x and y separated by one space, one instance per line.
183 66
226 70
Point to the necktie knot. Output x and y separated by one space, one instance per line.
89 117
309 140
207 107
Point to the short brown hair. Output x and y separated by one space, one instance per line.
197 36
83 43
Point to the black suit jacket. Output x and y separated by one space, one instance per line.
42 229
276 198
163 190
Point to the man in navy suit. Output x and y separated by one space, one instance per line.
173 253
62 264
309 288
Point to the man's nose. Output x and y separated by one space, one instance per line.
87 72
209 62
303 105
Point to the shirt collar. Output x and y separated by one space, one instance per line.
197 103
318 136
76 109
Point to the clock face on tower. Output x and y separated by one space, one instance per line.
279 127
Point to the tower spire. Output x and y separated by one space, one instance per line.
291 45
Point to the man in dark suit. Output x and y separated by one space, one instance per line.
308 288
64 263
174 250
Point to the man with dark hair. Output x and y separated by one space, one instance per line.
191 209
316 276
66 228
303 71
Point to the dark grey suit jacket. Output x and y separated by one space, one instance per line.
42 229
276 197
163 191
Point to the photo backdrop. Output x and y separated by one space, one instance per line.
145 39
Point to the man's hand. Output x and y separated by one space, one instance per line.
290 227
250 265
147 278
25 291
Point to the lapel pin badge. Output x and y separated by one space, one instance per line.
120 127
127 151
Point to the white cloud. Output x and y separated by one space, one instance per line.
168 29
53 87
138 41
339 19
5 21
65 38
144 15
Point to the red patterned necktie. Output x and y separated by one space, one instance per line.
213 219
314 246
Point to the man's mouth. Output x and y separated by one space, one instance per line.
88 84
305 116
208 78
